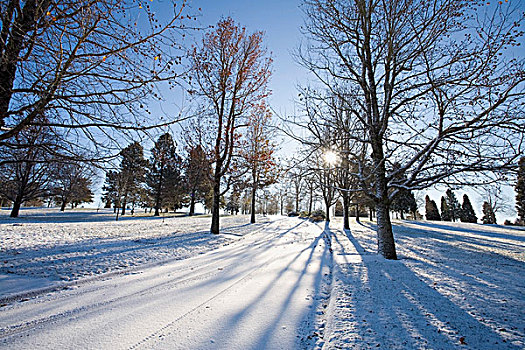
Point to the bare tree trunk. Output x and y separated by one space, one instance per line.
16 208
385 237
310 203
215 207
252 215
357 218
327 205
63 205
192 204
371 212
346 210
158 195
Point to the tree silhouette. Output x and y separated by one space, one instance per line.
467 213
431 210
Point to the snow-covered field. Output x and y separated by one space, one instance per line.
284 283
44 247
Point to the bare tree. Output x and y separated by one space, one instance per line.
26 175
73 182
230 70
258 153
433 88
497 199
89 66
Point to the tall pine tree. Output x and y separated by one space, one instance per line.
454 208
132 170
488 214
163 180
467 211
431 209
520 191
198 169
445 211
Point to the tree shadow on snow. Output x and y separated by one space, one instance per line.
232 322
388 305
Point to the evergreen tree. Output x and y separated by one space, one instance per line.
404 202
454 208
164 180
467 212
111 190
132 170
431 209
488 214
520 191
445 211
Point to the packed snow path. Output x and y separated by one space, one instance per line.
258 292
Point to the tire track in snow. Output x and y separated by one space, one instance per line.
10 331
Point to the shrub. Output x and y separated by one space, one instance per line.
317 215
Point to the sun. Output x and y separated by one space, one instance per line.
330 157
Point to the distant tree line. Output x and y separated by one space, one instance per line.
171 179
451 209
493 202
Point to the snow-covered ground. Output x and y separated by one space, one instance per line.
44 247
284 283
455 285
259 292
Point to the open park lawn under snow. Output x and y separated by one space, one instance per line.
81 280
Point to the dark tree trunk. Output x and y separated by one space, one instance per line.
346 211
192 205
402 215
327 205
63 206
16 208
215 207
385 237
252 214
124 202
310 203
357 218
371 212
158 194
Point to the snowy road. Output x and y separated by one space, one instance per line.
256 293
